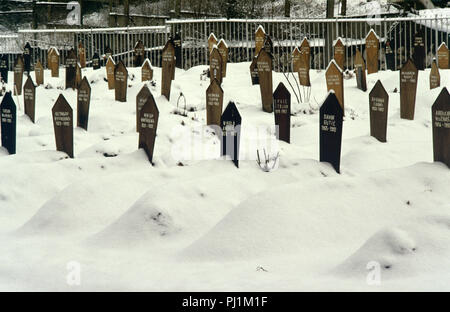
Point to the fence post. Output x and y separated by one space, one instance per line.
247 40
436 36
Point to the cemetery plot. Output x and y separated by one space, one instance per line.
435 77
120 82
110 66
282 110
441 127
223 50
360 70
260 36
443 56
147 71
53 61
148 124
83 103
29 98
335 82
168 68
141 99
18 75
339 53
372 50
214 102
215 65
264 64
39 73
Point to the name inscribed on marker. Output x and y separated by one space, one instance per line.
329 123
82 96
120 76
147 120
442 119
229 128
213 99
377 104
6 115
334 80
28 94
281 106
62 119
408 76
264 66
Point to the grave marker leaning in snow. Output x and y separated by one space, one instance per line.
18 75
63 126
419 50
339 53
96 61
146 71
168 68
110 66
29 98
372 49
303 71
230 123
331 115
441 127
360 69
141 99
53 61
264 64
378 107
83 103
214 103
120 82
254 71
139 54
390 56
148 124
260 36
177 45
8 123
4 65
435 77
212 41
282 110
71 69
81 55
215 65
39 73
223 50
408 89
27 51
335 81
78 76
443 56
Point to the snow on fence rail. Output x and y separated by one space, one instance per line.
240 35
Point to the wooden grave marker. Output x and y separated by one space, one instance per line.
177 45
254 72
264 64
440 112
282 112
215 65
8 116
435 77
408 90
372 51
71 69
268 45
331 120
81 55
29 98
335 82
39 73
360 70
260 36
110 66
139 53
146 71
339 53
212 41
148 124
141 99
305 50
18 75
378 107
83 103
96 61
53 61
214 103
419 50
230 123
4 68
78 75
296 60
27 52
63 126
443 56
120 82
303 71
223 50
168 68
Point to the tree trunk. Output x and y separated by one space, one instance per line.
287 8
330 8
343 7
177 8
331 32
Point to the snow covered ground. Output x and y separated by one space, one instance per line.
206 225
